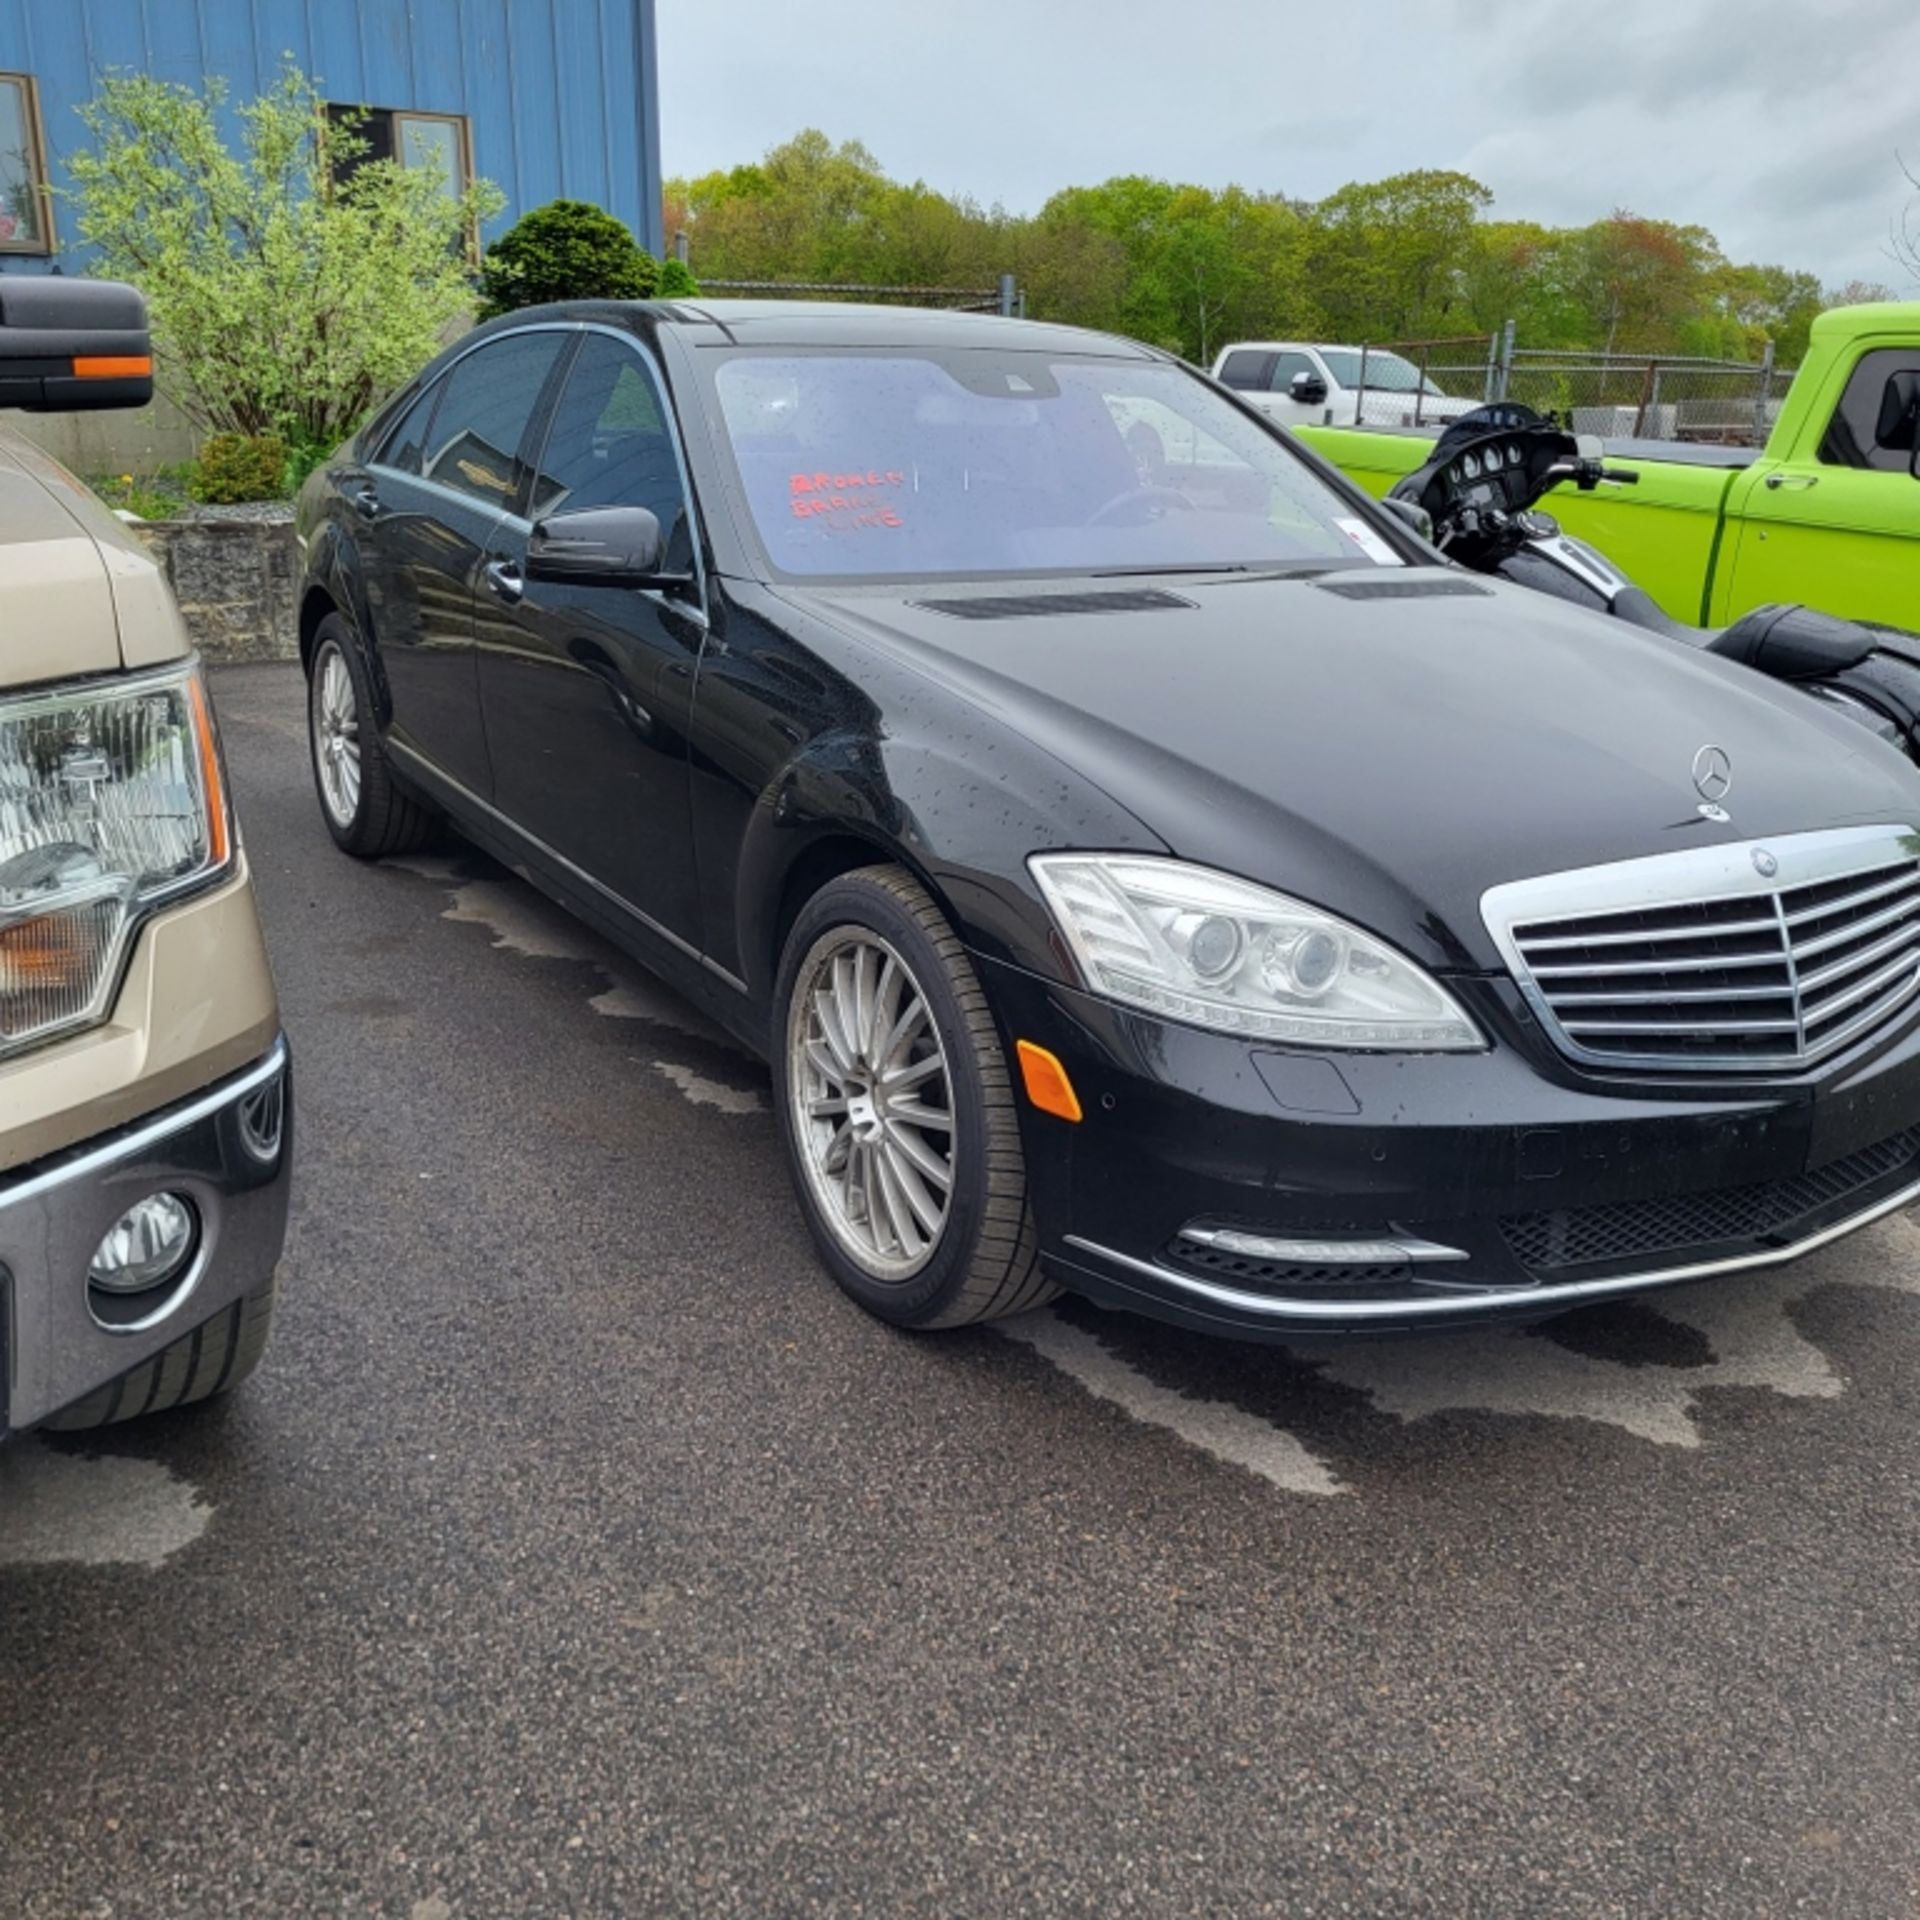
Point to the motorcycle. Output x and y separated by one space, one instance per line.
1477 500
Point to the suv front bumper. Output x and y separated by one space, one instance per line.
227 1151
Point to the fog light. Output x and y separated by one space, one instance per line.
146 1247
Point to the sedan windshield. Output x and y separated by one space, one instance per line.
869 465
1386 372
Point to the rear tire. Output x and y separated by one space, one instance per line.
897 1112
364 808
211 1360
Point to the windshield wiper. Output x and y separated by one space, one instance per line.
1228 567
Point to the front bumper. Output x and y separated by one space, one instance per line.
228 1150
1465 1188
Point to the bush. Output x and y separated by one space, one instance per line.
292 281
235 467
305 452
676 281
566 250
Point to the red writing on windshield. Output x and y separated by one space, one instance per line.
849 509
845 482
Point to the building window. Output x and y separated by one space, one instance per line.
442 141
437 140
26 208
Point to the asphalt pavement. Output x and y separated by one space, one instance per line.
579 1550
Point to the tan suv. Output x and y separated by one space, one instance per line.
145 1120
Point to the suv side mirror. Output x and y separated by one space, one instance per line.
71 346
1308 388
600 547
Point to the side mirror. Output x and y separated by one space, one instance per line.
1417 518
1897 430
1309 389
600 547
72 346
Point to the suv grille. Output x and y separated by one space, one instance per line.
1737 978
1585 1236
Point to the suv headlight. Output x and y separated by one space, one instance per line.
1190 944
111 803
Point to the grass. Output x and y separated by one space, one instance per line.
158 496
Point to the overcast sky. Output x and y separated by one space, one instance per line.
1773 122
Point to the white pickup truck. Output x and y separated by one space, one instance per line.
1312 385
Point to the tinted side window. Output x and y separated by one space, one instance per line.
405 446
1286 365
1874 425
1249 372
610 445
476 440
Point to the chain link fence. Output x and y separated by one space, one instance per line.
1728 403
1619 396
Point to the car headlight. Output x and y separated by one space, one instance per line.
111 803
1194 945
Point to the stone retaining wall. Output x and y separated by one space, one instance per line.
237 581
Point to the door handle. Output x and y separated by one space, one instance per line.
505 578
366 501
1797 482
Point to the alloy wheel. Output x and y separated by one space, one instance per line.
334 720
872 1102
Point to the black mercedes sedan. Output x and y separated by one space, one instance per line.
1148 869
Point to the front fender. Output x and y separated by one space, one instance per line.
928 805
335 566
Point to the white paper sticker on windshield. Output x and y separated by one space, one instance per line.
1369 543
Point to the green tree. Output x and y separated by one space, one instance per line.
1520 271
1387 258
1768 304
566 250
290 283
1190 268
676 281
1647 283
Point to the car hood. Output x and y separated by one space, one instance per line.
1391 757
78 593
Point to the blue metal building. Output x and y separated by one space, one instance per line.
546 98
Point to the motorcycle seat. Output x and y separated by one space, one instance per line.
1783 642
1794 643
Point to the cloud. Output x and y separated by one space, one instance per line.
1772 122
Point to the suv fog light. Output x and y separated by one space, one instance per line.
146 1247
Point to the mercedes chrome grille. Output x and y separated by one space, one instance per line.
1755 955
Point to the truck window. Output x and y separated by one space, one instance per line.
1874 424
1285 366
1248 372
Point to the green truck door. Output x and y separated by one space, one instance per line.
1836 526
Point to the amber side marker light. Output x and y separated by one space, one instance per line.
112 366
219 844
1047 1084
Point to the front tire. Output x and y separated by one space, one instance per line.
365 810
897 1112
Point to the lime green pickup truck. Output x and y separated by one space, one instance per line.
1828 515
